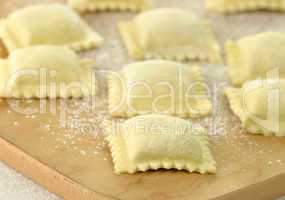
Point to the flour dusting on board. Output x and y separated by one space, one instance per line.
79 121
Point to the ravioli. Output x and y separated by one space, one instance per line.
158 86
159 141
256 55
172 34
51 24
102 5
234 6
260 105
46 72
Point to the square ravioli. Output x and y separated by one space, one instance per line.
51 24
46 72
256 55
102 5
159 86
172 34
159 141
260 105
233 6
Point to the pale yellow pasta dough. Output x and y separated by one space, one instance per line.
260 105
159 141
172 34
158 86
102 5
46 72
51 24
233 6
256 55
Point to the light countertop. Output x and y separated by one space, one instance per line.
14 186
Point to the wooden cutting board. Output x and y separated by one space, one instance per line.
63 149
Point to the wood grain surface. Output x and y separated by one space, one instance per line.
64 150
